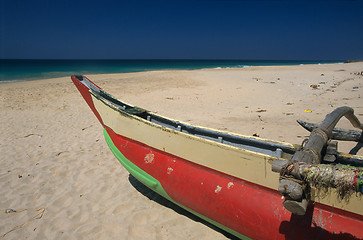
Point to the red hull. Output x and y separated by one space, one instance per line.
249 209
252 210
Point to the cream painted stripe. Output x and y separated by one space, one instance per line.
233 161
246 165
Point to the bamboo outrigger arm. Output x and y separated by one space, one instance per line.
337 133
294 188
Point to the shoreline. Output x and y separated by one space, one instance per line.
58 74
54 154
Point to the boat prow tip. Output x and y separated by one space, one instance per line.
86 82
78 77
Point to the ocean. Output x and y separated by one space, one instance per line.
24 70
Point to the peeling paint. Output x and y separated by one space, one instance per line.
230 184
330 218
169 170
218 189
320 220
277 214
149 158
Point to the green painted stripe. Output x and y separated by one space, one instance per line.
155 185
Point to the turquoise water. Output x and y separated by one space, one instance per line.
23 70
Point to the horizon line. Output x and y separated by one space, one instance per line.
175 59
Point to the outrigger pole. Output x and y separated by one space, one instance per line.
294 175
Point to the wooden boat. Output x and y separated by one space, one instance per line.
224 178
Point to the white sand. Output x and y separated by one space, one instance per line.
53 154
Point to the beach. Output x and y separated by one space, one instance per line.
54 156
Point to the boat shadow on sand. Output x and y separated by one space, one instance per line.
287 228
166 203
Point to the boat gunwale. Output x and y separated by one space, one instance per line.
288 148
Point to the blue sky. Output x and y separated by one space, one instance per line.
199 29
